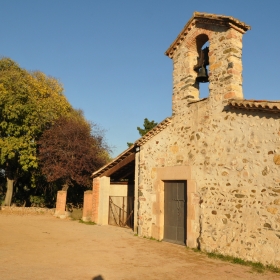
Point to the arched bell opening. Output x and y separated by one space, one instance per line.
202 66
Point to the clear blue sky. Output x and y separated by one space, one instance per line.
109 54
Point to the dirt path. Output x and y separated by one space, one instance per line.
44 247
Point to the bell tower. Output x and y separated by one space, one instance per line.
223 59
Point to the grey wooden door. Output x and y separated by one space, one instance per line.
175 211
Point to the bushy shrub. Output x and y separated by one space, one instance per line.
37 201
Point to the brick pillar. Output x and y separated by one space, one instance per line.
100 200
87 207
103 207
60 203
95 199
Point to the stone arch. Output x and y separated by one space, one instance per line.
194 44
198 39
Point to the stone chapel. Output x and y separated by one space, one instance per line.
208 176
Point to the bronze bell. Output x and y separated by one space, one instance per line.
202 76
200 67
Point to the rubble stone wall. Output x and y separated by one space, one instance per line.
234 156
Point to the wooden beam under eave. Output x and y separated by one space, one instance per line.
118 166
124 176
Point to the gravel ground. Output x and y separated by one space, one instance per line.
45 247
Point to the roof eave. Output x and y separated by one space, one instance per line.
256 105
112 163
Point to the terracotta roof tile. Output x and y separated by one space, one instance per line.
261 105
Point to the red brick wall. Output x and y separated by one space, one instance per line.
95 199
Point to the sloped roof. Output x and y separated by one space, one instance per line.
130 152
161 126
257 105
128 156
204 17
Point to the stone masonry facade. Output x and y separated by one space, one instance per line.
227 149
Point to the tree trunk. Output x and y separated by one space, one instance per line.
9 193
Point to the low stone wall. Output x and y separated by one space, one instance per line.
26 210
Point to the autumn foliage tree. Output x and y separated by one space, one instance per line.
29 103
69 151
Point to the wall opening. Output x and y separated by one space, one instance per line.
202 42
